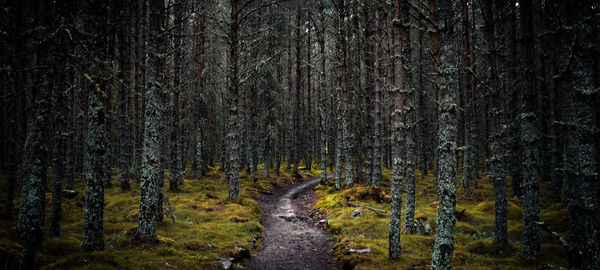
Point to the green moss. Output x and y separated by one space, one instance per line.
488 247
204 225
473 244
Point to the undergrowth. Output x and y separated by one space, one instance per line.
473 244
204 225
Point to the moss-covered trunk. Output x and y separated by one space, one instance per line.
151 171
124 94
233 124
529 135
377 134
576 57
496 169
443 247
30 224
322 97
93 211
199 88
398 92
176 165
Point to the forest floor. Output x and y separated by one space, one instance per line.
291 238
473 244
204 225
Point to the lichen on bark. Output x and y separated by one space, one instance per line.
443 247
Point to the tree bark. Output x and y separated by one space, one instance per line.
151 170
176 138
443 247
232 135
496 165
379 24
529 134
577 85
398 91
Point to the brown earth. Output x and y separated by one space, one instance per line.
291 238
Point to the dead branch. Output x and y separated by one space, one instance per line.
378 211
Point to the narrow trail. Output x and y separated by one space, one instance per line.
291 239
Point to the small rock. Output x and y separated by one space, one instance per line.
323 222
226 263
356 213
424 227
365 251
242 252
427 229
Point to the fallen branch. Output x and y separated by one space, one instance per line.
561 240
261 191
378 211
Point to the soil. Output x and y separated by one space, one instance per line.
292 239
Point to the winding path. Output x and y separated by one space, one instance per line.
291 240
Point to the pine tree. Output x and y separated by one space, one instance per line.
151 170
496 160
576 86
443 247
529 134
233 93
398 91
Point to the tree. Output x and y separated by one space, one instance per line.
151 171
232 96
577 85
96 84
199 87
379 19
496 165
443 247
176 140
37 90
399 90
124 93
410 226
322 97
469 172
529 134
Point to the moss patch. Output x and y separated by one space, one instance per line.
200 223
474 247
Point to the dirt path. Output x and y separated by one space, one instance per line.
291 239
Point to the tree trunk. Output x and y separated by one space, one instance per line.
529 134
176 138
379 23
399 90
576 58
410 226
151 170
232 135
124 94
496 165
30 224
447 158
469 121
199 89
322 105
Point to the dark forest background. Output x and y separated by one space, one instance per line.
115 92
